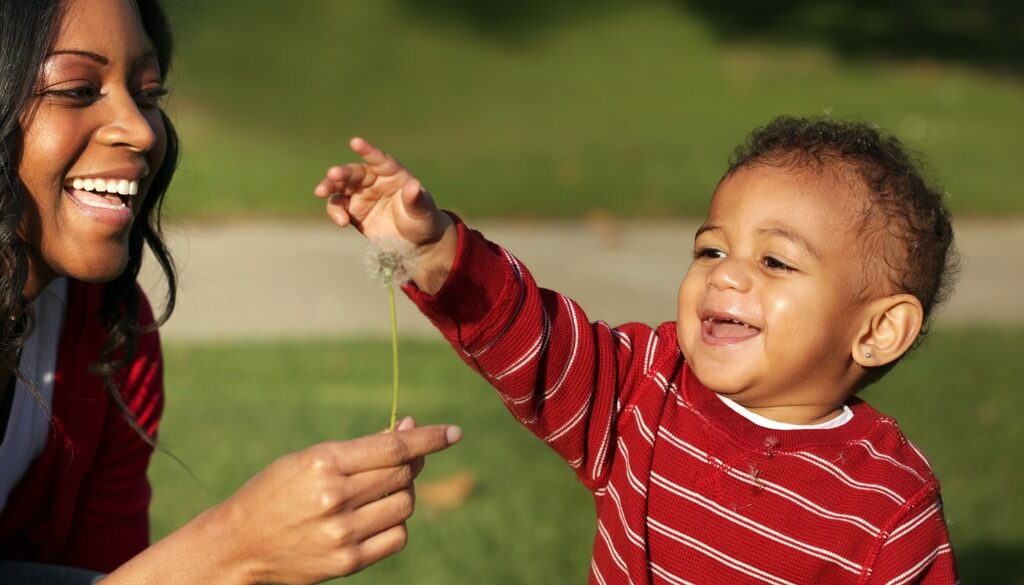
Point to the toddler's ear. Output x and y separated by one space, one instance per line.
891 326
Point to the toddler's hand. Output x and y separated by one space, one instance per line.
381 199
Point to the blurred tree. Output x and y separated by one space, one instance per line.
986 33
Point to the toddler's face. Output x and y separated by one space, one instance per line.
767 309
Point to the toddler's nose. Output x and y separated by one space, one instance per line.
730 273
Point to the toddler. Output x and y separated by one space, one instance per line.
728 446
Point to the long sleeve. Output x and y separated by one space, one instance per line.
564 378
111 516
917 550
84 501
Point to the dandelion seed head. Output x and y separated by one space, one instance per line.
390 261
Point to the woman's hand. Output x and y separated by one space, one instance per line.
333 508
326 511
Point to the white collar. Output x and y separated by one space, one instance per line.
763 421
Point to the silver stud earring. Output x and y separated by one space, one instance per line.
867 354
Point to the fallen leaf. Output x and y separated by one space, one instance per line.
447 492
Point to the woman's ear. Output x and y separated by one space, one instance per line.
891 326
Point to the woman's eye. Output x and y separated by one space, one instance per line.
79 95
150 98
708 253
775 264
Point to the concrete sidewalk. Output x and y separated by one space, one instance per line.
288 280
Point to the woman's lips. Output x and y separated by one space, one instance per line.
110 209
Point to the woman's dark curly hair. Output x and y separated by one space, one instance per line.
907 227
28 29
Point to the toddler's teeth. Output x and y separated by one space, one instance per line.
77 183
88 185
133 188
123 187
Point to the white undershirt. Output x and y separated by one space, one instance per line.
763 421
27 425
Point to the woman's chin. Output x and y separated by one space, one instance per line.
99 272
95 268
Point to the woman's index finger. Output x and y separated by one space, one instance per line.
395 448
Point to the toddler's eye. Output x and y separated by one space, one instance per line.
773 263
708 253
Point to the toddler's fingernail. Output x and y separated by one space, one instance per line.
453 434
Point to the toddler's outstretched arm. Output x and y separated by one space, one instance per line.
383 200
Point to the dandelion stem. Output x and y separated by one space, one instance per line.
387 262
394 357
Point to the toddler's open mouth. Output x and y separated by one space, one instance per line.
725 330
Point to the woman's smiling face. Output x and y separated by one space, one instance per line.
92 141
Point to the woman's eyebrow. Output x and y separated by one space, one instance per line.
102 59
87 54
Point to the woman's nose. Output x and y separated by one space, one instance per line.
730 274
128 125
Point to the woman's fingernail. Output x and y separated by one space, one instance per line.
453 434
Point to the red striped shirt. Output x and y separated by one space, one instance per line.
686 489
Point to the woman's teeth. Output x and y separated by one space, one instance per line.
112 186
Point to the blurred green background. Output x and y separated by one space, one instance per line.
536 110
234 407
559 109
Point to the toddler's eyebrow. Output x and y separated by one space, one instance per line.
791 236
778 231
708 227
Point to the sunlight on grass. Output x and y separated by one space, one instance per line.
232 408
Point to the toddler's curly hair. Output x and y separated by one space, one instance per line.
906 226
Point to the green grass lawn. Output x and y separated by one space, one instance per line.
631 109
232 408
